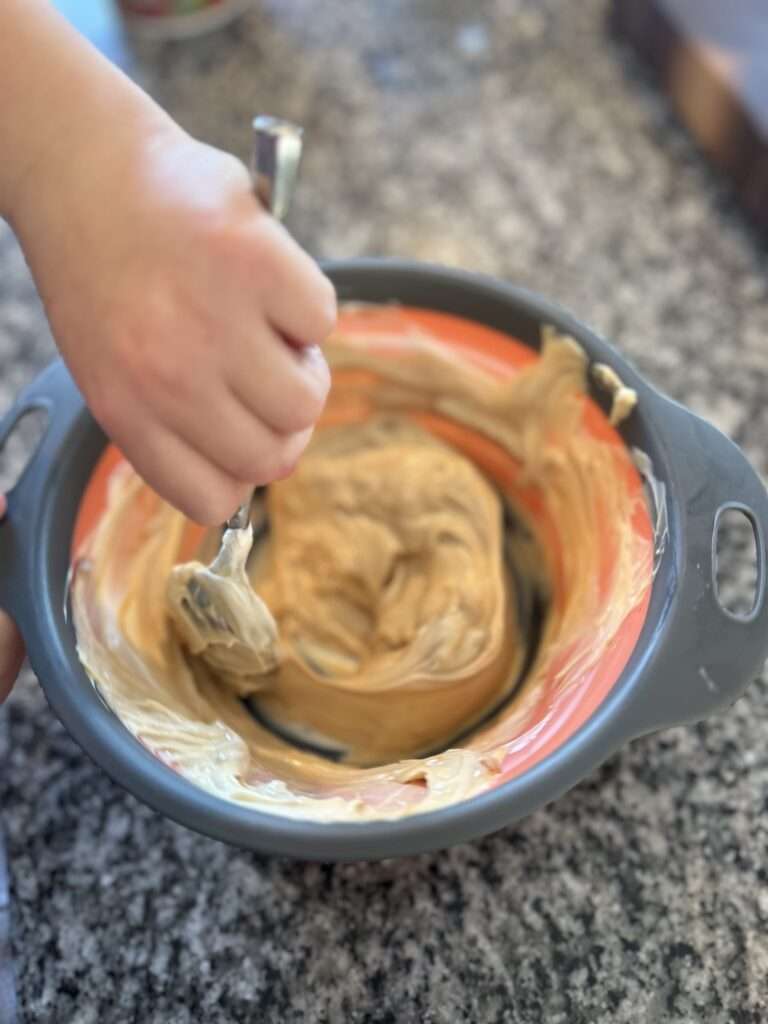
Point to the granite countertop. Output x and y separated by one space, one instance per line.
513 138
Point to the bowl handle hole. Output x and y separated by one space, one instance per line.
18 444
739 571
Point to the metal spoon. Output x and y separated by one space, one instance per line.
214 607
274 168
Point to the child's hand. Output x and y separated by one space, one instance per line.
11 644
188 317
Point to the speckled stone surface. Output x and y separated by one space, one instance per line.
511 137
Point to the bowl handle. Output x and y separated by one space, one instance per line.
706 655
54 392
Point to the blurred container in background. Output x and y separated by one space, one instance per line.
180 19
711 59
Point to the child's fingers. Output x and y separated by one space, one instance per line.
233 438
284 387
11 654
188 480
241 415
179 474
299 300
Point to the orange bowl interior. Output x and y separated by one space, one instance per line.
558 712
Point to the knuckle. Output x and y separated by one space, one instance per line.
165 377
247 466
282 463
304 411
293 420
159 368
296 417
262 464
143 358
228 239
273 463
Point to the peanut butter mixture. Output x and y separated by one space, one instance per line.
383 642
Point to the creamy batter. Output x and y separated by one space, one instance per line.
393 624
446 512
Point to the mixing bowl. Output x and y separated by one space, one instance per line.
691 657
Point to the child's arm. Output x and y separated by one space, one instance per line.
170 292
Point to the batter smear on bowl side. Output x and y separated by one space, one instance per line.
456 572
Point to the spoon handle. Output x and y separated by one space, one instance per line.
275 162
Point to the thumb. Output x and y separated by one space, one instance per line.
11 654
11 644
